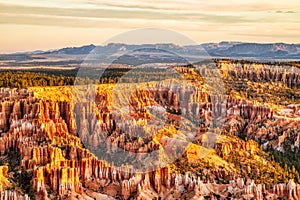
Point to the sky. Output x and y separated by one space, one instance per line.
51 24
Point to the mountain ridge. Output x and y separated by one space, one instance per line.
227 47
154 53
207 46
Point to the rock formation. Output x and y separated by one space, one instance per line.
59 140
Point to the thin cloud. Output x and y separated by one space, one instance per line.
110 13
286 12
199 5
169 5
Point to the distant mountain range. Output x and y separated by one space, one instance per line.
222 49
276 50
148 53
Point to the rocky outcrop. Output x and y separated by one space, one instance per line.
12 195
261 72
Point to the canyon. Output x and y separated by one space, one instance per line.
161 141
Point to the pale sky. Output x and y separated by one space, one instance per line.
51 24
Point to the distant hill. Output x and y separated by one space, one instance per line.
254 50
74 50
151 53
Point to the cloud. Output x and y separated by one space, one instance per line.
168 5
195 11
287 12
199 5
37 15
